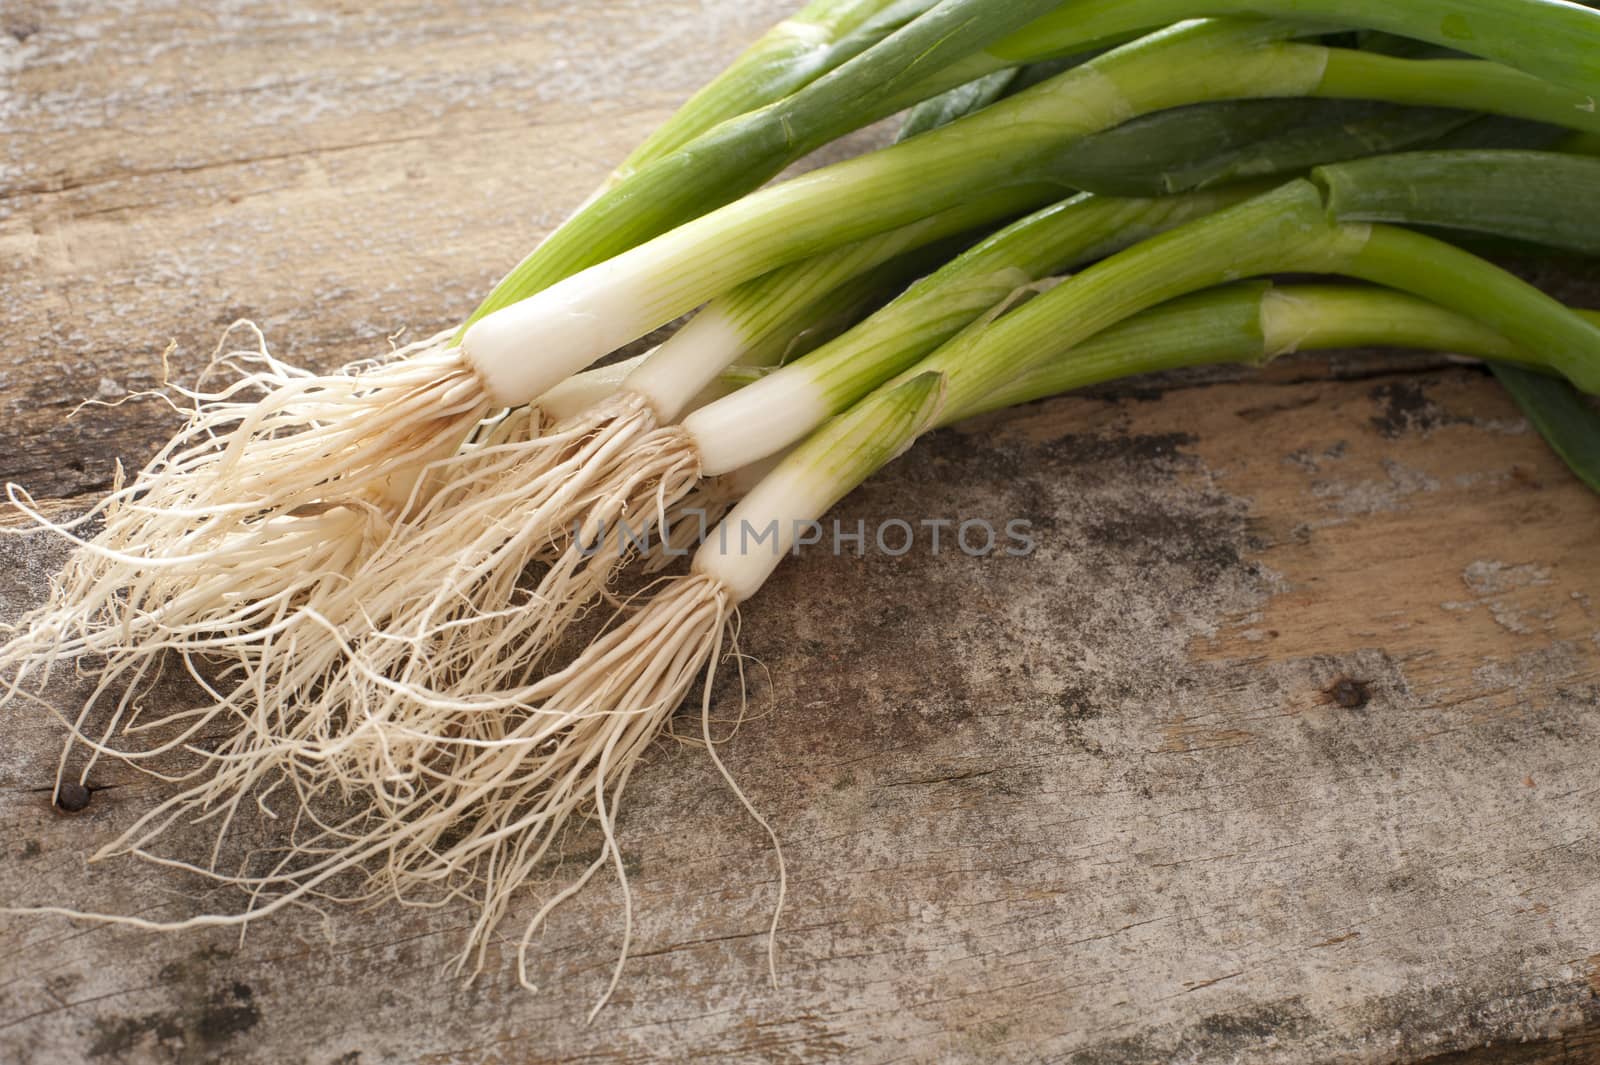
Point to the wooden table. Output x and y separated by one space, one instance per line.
1280 749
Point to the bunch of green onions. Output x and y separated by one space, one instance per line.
377 575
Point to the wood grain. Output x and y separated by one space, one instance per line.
1279 749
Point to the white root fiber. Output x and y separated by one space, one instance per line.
505 778
508 557
262 506
368 578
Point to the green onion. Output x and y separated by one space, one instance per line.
1023 138
409 670
1257 323
1284 231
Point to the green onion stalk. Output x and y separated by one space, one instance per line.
818 38
1537 197
1253 323
1527 196
581 730
1550 39
1218 144
1205 145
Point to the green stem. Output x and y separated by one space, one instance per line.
1454 278
782 295
1541 197
1058 239
1549 39
1214 144
791 55
1254 323
798 322
959 102
973 96
1468 84
1286 230
765 417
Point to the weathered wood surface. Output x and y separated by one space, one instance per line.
1281 749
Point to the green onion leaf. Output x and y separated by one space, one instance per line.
1564 417
1544 198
